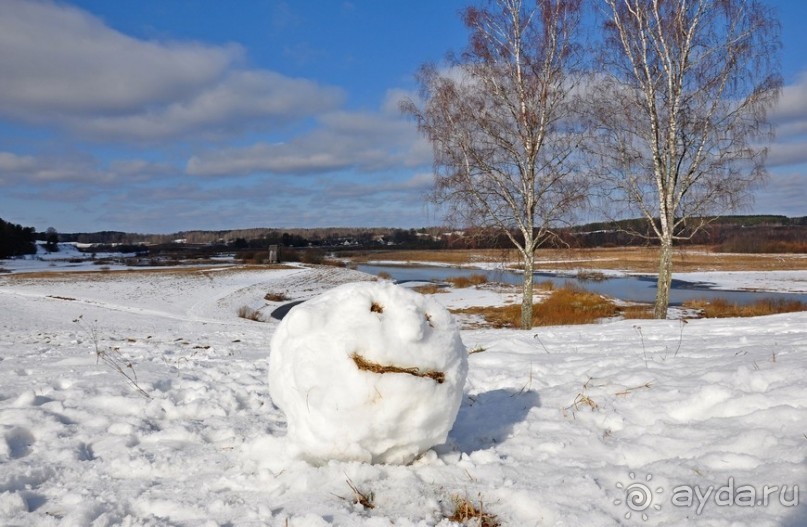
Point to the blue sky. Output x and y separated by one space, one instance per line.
166 115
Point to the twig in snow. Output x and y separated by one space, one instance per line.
361 498
627 391
644 350
112 357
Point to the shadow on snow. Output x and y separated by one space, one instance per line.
488 418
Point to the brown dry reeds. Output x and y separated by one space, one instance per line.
638 311
567 305
461 282
634 259
429 289
722 308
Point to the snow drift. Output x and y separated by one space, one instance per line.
369 372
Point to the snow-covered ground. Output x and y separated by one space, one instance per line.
785 281
69 256
558 426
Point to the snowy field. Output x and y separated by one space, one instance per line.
558 426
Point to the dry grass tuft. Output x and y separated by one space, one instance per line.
111 356
250 314
376 308
508 316
467 513
571 305
721 308
589 275
568 305
584 400
364 499
429 289
383 275
546 285
276 297
638 311
366 365
461 282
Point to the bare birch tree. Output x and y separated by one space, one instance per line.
680 110
499 123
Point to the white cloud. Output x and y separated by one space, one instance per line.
790 117
783 154
62 66
77 169
10 162
343 140
240 100
792 105
413 188
784 193
56 58
25 169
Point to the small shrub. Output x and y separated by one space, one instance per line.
383 275
287 254
722 308
312 256
250 314
256 257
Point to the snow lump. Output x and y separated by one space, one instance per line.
369 372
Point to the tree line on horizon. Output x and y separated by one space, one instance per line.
16 240
757 233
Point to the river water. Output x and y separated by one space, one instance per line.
632 288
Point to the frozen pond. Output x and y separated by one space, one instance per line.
635 288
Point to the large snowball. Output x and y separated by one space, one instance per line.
368 372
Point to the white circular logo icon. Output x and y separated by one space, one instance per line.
638 496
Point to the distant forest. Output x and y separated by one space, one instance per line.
16 240
744 234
